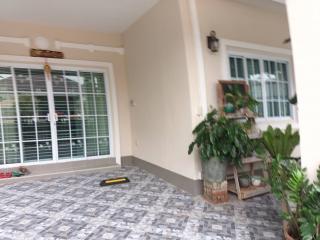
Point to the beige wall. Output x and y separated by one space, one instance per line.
234 20
304 22
158 80
11 29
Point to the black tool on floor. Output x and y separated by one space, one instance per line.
114 181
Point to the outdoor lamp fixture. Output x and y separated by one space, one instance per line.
213 42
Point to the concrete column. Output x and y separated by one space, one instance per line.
304 22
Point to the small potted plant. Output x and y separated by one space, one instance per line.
219 141
244 180
241 101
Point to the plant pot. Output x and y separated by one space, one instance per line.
286 231
214 170
256 181
229 108
244 181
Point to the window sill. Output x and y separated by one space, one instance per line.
280 122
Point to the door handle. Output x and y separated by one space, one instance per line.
56 117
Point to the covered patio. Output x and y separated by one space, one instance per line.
179 96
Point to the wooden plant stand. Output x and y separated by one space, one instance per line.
251 191
216 192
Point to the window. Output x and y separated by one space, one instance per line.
268 81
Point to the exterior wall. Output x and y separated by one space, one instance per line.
12 29
304 22
158 77
235 20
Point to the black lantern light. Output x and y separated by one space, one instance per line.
213 42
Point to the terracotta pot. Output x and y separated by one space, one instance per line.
285 224
286 231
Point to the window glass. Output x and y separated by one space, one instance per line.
268 81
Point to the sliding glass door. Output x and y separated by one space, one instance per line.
50 117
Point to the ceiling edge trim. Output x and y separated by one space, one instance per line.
16 40
88 47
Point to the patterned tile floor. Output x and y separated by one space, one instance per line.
76 208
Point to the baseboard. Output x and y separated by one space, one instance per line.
63 168
127 160
192 186
4 181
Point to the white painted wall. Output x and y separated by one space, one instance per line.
159 84
304 20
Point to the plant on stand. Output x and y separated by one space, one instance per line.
219 141
241 101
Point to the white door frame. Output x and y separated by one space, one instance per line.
105 67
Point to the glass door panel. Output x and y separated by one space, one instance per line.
62 114
98 82
12 153
68 108
103 130
96 114
28 127
25 107
6 80
92 147
38 81
34 112
64 149
1 154
30 151
88 104
8 104
10 129
104 147
45 150
23 100
9 122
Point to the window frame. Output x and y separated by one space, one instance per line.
261 57
77 66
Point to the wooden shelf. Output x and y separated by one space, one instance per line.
253 159
236 116
248 192
255 135
251 191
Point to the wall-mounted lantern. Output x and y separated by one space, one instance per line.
213 42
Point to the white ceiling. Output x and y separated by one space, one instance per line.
95 15
275 5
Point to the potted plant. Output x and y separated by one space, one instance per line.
241 101
244 180
288 181
299 197
219 141
294 99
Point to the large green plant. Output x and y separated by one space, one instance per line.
290 185
278 142
218 136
